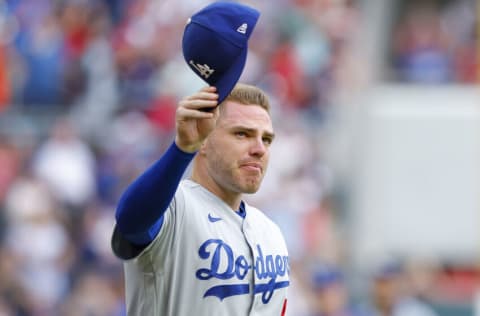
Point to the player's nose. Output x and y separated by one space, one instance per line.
258 147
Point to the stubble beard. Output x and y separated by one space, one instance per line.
231 178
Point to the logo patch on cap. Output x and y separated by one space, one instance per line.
204 70
242 28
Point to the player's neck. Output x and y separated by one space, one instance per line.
230 198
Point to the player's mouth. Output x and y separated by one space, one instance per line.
252 167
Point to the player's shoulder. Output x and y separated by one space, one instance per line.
186 184
260 217
192 195
187 188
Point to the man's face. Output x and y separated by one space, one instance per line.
238 149
385 291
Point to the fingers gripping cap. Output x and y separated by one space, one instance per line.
215 43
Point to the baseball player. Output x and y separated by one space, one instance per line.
193 246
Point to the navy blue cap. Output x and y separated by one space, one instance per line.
326 275
215 43
388 270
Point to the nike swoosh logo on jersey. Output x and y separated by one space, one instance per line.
213 219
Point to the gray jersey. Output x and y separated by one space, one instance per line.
207 261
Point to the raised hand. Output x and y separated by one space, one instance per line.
193 123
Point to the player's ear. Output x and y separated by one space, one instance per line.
203 147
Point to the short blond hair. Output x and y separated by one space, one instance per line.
248 94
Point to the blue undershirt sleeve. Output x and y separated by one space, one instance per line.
140 210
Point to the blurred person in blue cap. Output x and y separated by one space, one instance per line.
331 296
194 246
390 295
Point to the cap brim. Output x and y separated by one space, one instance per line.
227 82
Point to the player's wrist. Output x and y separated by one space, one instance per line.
186 148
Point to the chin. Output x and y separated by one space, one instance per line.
251 188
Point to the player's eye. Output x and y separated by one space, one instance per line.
267 140
241 134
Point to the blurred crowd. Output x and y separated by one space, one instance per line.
436 42
88 91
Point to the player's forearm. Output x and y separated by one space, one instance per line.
142 205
